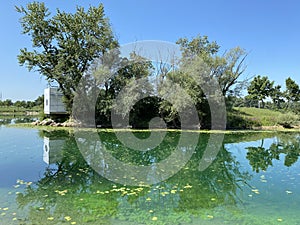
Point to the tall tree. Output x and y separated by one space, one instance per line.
199 56
276 96
292 93
64 45
260 88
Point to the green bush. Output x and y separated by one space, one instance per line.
42 115
288 120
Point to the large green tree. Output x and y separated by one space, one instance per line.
277 96
260 88
199 61
64 45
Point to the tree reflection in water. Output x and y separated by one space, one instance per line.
71 188
287 145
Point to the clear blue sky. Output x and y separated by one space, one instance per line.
268 29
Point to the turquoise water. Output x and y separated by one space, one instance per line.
47 178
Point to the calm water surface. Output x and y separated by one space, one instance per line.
45 179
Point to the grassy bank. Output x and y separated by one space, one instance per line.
241 118
12 110
240 131
244 117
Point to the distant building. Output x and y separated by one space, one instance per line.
53 103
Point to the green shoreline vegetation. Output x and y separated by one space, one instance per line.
19 108
238 119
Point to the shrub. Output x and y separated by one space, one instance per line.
288 120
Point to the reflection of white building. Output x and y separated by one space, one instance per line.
52 150
53 101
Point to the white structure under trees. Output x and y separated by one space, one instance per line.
53 103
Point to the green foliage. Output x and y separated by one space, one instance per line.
64 45
199 45
124 83
276 96
260 88
226 69
6 103
260 158
288 120
292 93
200 63
264 117
21 107
235 120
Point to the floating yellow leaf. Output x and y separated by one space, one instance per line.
67 218
73 222
210 216
148 199
50 218
61 192
288 192
256 191
279 220
154 218
187 186
4 209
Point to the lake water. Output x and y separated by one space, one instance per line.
46 177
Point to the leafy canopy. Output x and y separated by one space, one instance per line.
64 45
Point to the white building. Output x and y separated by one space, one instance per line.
52 150
53 101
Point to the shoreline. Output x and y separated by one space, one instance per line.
228 131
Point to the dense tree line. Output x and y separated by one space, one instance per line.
23 104
263 93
